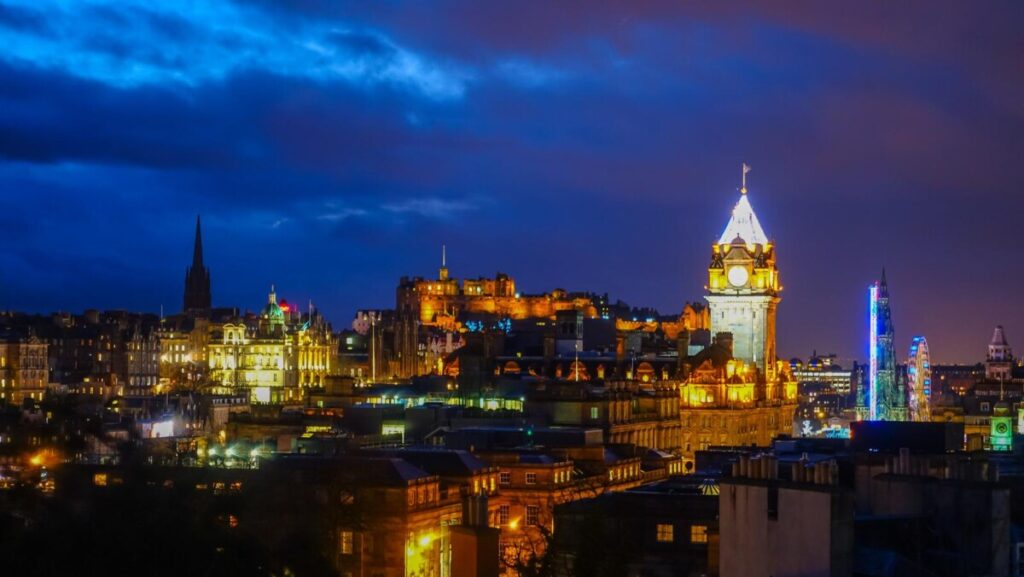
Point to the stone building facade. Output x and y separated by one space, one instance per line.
24 372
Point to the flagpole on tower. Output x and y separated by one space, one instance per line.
746 169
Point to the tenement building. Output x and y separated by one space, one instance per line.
23 369
104 353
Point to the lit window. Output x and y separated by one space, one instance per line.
532 515
100 479
346 539
664 533
505 477
595 412
531 478
698 533
503 515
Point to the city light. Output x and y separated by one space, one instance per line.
919 380
873 351
605 381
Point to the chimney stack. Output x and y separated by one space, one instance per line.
683 351
724 339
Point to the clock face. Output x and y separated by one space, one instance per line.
737 276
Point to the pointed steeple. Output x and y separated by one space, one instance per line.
197 249
743 224
197 277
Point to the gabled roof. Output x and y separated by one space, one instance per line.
743 224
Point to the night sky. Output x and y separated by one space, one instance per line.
584 145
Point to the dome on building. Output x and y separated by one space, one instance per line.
273 311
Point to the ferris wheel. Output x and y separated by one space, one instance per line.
919 380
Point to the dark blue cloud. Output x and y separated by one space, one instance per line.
333 147
21 19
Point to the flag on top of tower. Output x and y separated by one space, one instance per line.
744 223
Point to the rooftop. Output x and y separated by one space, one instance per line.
743 224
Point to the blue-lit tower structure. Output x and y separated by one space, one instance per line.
885 397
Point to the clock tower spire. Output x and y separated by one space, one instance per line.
743 287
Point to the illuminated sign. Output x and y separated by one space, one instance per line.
1002 430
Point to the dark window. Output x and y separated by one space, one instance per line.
773 503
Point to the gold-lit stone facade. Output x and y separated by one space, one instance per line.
276 357
183 352
726 402
24 371
692 319
276 367
439 302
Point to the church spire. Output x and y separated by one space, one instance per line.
197 277
197 249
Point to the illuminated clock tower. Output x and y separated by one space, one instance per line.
743 287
